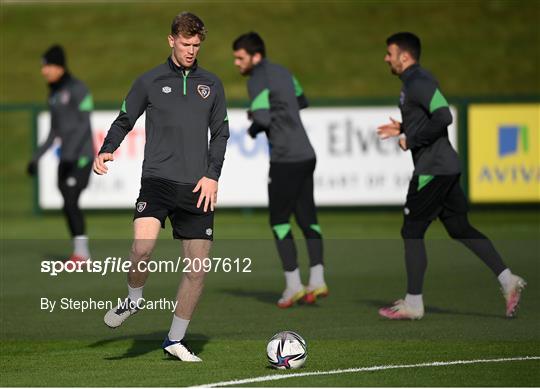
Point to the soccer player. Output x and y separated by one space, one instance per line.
180 172
276 99
434 190
70 104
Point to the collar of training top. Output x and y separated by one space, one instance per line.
410 70
179 69
260 65
54 86
263 62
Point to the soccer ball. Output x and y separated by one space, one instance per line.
286 350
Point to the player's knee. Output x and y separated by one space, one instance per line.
140 251
282 231
454 231
458 227
195 277
413 229
311 231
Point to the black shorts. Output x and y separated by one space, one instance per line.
290 190
73 177
430 197
161 198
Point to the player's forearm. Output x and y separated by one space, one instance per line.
255 128
115 136
302 101
133 107
42 149
262 118
216 151
435 128
215 163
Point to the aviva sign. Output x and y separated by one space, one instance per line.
504 146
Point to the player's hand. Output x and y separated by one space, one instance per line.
389 130
403 143
252 131
99 163
208 188
31 168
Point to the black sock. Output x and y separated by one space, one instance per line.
315 251
415 254
416 264
286 248
314 244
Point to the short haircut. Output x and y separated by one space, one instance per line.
188 25
251 42
406 41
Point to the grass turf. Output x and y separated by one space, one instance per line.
464 318
364 255
335 48
237 314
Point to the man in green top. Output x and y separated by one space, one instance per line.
70 104
276 99
434 190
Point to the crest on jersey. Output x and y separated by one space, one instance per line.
166 89
204 90
64 97
141 206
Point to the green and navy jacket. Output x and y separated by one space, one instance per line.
276 99
70 104
425 120
181 106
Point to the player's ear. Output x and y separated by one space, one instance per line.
256 58
405 56
170 38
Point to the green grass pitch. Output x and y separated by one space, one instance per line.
237 315
470 46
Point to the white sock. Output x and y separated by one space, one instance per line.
414 300
293 279
316 275
80 246
505 278
135 294
178 328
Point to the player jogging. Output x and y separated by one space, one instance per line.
276 99
70 104
434 190
180 171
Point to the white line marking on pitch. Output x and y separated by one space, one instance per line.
275 377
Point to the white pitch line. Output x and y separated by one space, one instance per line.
275 377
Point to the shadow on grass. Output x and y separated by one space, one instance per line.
429 309
262 296
259 295
147 343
